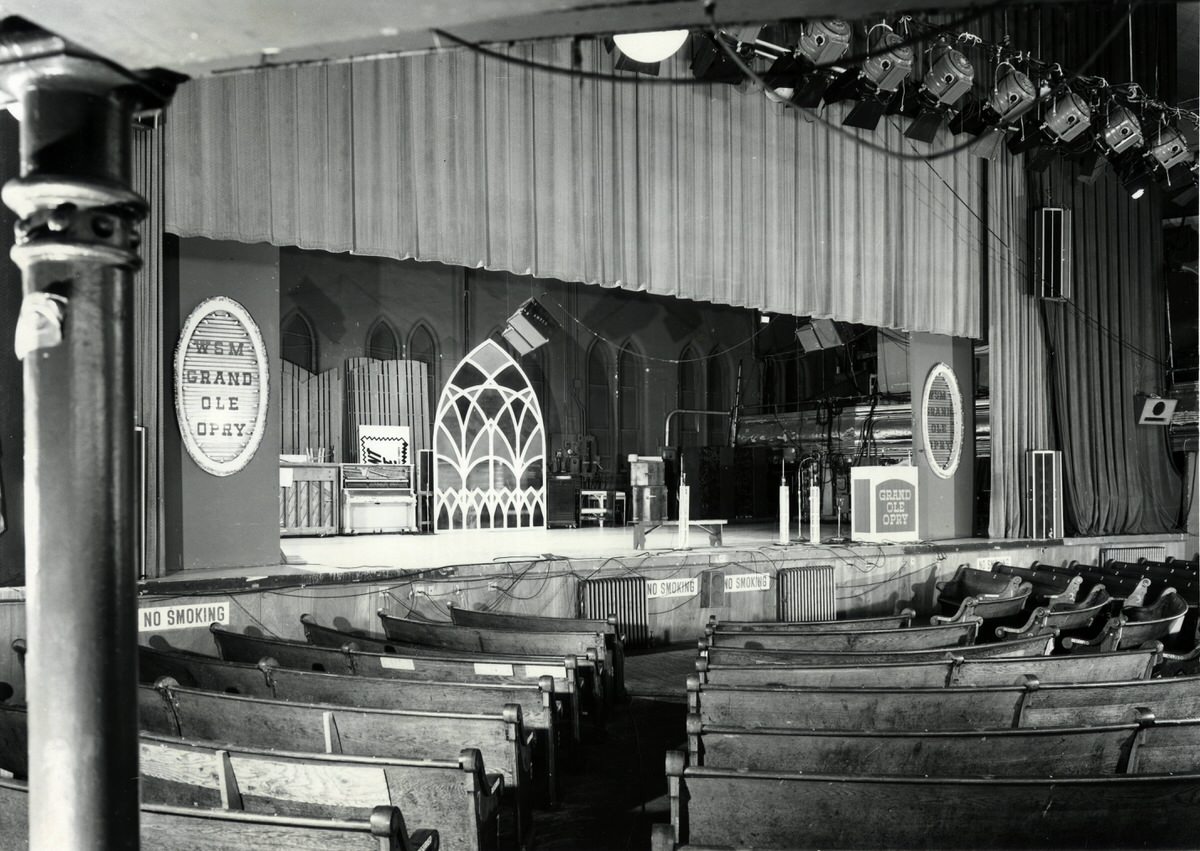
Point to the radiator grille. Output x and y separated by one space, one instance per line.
1108 554
806 594
624 597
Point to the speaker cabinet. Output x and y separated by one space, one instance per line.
1052 253
1045 494
1153 410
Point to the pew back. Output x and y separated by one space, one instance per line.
902 620
914 638
1039 645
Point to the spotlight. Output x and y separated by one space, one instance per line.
1136 179
879 78
944 85
821 44
1122 131
1013 96
710 62
892 63
1068 116
651 47
1169 148
824 42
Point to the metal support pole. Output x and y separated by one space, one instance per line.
77 248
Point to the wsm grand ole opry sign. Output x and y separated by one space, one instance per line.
221 392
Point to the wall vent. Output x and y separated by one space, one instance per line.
806 594
623 596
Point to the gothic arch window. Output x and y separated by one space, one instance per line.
298 342
382 342
423 347
689 396
598 412
717 386
489 446
630 371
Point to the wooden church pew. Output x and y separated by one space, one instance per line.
458 796
1040 752
536 700
1138 624
914 638
1078 668
614 641
732 808
581 643
1037 645
167 828
324 728
1074 617
980 593
1047 587
466 666
901 620
1031 704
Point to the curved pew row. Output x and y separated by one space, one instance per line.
266 679
733 808
583 644
1169 747
1031 704
1074 617
980 593
1037 645
902 620
961 634
613 640
959 671
589 666
170 709
459 797
193 829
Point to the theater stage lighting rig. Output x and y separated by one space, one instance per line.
875 84
943 86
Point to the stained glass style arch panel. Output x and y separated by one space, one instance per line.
489 446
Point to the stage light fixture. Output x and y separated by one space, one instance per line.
1136 179
1013 95
651 47
1067 117
1122 131
824 42
892 63
944 85
1169 148
711 63
878 79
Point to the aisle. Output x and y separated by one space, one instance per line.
610 803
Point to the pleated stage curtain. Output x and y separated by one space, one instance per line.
152 387
1108 343
1018 360
702 192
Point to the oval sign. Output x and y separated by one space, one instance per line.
942 420
221 393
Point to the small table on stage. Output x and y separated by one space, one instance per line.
593 505
712 527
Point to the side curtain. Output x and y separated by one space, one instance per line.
703 192
1108 343
1019 362
152 387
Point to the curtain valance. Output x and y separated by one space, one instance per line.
702 192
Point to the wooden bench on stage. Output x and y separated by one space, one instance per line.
1037 645
614 641
193 829
901 620
914 638
268 680
997 671
170 709
734 808
1053 752
1030 704
713 528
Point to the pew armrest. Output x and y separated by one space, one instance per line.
966 610
1036 625
424 840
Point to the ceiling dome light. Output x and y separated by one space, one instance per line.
651 47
